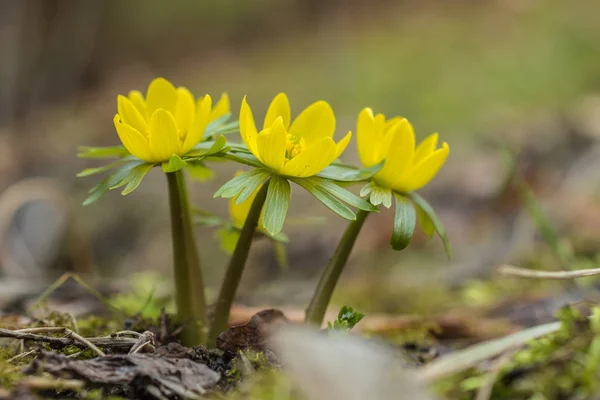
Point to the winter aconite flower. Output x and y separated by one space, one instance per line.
407 167
167 121
301 148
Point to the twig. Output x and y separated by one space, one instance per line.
68 333
510 270
43 383
21 355
471 356
84 341
124 333
144 339
124 343
486 388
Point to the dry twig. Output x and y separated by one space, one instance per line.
510 270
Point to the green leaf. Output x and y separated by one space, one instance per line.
135 177
233 187
225 129
251 185
213 126
428 210
98 170
380 195
366 190
281 256
276 205
206 218
102 152
425 222
217 146
200 172
342 194
104 186
405 220
346 173
346 320
330 201
243 158
174 164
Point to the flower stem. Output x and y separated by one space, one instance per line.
189 285
320 300
233 275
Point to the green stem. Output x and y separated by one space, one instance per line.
322 296
234 272
189 285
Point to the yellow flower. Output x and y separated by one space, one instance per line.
239 212
300 149
407 167
168 121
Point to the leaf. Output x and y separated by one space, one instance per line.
243 158
217 146
206 218
428 210
425 222
346 320
200 172
102 152
207 148
174 164
346 173
328 200
281 256
366 190
233 187
225 129
104 186
342 194
380 195
405 220
276 205
251 185
135 177
104 168
213 126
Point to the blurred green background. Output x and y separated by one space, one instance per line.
524 72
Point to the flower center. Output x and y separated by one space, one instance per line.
294 145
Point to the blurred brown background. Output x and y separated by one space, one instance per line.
485 75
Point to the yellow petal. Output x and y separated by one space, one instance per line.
425 170
198 127
315 122
426 147
137 98
164 140
341 145
161 94
130 115
221 108
312 160
280 107
186 108
400 145
367 138
248 127
270 144
134 141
